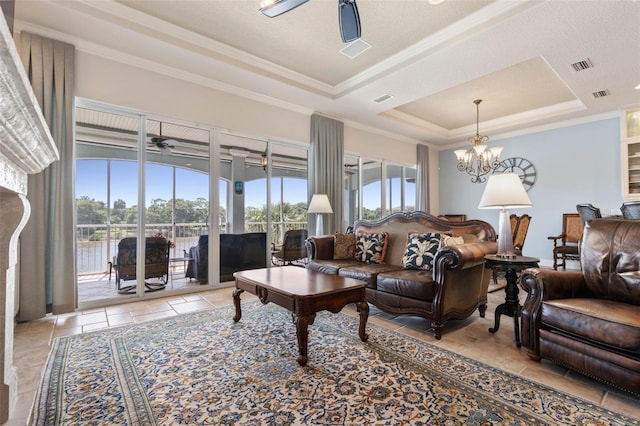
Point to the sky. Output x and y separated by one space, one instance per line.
91 178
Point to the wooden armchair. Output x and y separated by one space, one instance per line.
293 248
156 263
565 245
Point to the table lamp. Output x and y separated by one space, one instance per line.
319 204
504 191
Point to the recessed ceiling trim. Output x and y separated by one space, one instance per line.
412 120
162 69
521 118
454 33
178 36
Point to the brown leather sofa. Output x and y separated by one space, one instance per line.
454 289
589 320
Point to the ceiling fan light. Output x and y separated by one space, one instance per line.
273 8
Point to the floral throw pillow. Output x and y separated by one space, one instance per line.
371 247
421 249
344 246
450 240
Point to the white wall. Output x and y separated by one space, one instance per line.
575 164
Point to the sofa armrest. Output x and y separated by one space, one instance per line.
462 256
320 248
545 284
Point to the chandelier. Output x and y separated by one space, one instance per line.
478 160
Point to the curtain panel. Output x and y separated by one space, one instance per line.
422 178
326 169
47 244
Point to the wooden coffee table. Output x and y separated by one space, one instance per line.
303 292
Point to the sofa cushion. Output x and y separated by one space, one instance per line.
603 321
331 266
371 247
366 272
344 246
421 249
407 283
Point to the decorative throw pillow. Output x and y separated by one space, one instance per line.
421 249
450 240
344 246
371 247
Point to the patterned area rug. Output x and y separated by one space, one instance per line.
204 369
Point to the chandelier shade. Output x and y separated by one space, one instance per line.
478 160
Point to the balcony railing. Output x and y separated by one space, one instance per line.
97 244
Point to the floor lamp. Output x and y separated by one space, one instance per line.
319 204
504 191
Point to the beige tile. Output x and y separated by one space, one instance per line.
120 319
82 320
153 316
197 305
95 326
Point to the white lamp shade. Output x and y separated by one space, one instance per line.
504 191
319 204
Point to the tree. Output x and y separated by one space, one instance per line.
90 211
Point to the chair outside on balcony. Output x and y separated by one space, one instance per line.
156 264
293 250
588 212
565 245
630 210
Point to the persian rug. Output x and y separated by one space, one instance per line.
204 369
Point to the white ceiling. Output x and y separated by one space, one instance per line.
434 60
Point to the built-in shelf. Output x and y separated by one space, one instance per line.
630 144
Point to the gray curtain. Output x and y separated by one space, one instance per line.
47 244
422 178
326 170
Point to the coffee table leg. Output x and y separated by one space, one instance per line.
363 308
236 302
302 333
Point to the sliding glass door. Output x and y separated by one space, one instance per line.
117 171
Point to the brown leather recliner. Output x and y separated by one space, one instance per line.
589 320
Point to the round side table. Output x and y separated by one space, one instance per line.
511 306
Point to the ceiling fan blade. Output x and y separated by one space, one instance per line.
273 8
170 142
349 20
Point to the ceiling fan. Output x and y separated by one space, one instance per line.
348 16
164 145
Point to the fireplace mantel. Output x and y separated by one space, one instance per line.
26 147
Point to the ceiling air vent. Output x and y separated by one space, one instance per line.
582 65
600 93
356 48
382 98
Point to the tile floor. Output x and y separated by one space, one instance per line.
469 337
